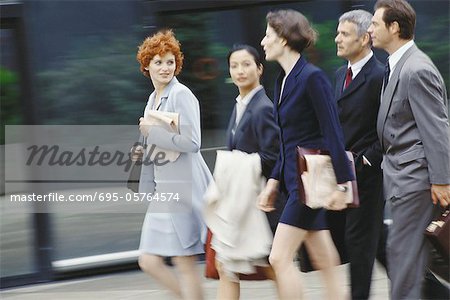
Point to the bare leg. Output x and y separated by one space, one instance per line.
284 249
324 256
227 290
154 266
190 281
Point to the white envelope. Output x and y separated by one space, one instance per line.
169 121
319 181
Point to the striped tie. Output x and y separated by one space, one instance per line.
387 72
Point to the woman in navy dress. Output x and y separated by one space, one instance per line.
306 114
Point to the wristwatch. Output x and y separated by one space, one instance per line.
342 188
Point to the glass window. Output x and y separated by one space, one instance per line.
16 230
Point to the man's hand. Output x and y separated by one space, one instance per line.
440 193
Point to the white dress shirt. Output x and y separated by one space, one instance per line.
356 67
397 55
241 103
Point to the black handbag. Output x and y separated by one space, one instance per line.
133 178
135 172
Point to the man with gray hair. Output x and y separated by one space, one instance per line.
357 92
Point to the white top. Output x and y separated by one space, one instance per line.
241 103
284 81
356 67
397 55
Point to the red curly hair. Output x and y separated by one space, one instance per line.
160 44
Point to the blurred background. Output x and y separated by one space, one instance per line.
73 63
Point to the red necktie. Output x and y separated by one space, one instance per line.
348 77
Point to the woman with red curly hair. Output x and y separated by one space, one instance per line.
173 227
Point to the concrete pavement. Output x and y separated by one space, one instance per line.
135 285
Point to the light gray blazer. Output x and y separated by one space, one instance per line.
413 126
188 176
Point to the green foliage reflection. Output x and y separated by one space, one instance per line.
11 110
98 83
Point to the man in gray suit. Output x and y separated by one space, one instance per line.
413 128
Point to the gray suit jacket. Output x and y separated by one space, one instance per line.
187 177
413 127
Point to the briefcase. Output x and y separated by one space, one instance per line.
438 233
317 183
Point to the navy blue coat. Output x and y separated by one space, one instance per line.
356 232
307 117
256 131
358 109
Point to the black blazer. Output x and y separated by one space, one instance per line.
358 108
256 131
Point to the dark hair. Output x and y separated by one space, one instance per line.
294 27
401 12
251 50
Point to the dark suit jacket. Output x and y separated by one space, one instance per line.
358 108
307 116
256 131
